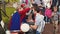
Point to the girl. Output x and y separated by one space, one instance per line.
48 13
55 16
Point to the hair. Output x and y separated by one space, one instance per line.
56 8
34 5
39 10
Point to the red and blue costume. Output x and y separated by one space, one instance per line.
17 19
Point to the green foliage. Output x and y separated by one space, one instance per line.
12 0
9 11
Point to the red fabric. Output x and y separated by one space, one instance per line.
26 1
23 13
22 5
9 23
48 12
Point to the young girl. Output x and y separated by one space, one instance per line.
48 13
55 15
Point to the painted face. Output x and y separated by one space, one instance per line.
55 9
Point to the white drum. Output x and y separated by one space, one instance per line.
25 27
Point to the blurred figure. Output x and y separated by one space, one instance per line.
48 13
38 1
59 5
27 2
45 2
55 16
54 3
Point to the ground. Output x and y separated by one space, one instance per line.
49 29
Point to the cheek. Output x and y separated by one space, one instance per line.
55 9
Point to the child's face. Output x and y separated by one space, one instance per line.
55 9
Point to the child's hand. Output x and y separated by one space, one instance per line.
53 14
33 27
30 25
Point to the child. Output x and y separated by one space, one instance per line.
48 13
39 22
55 15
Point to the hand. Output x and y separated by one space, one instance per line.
30 25
53 14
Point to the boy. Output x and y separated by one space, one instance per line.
55 15
39 22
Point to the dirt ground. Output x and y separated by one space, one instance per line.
49 29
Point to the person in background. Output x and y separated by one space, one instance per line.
59 18
27 2
55 16
48 13
45 2
38 1
59 5
54 3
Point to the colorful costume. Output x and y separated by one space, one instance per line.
17 19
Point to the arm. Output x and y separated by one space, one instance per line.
24 11
34 26
36 23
